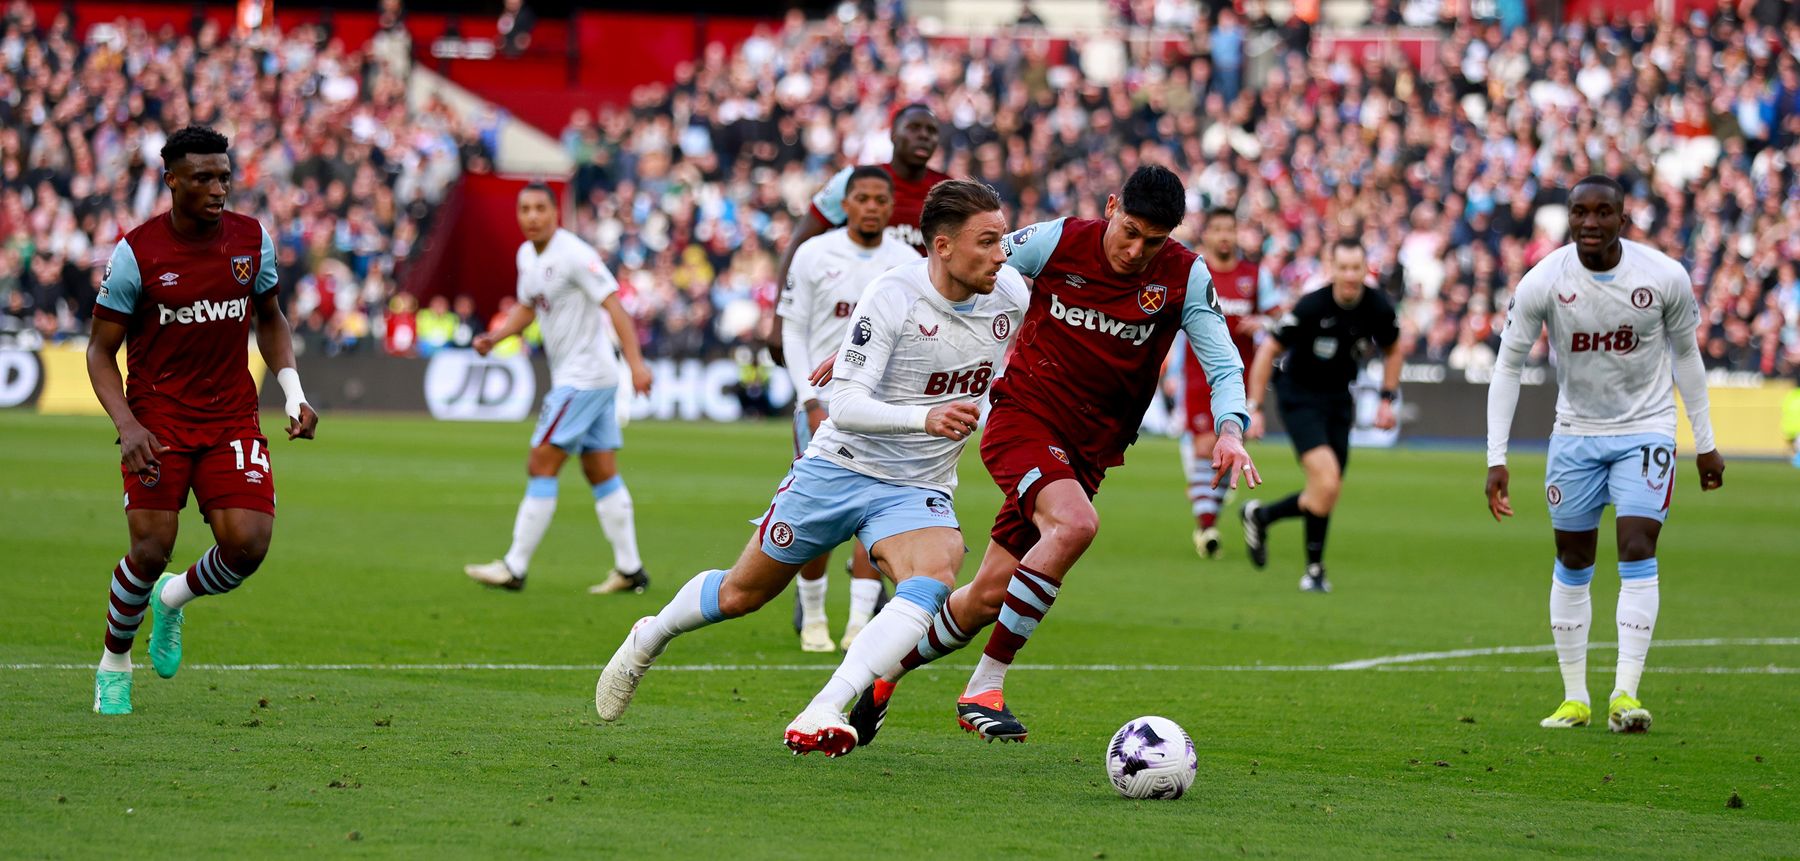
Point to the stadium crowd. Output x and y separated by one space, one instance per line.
328 157
1453 169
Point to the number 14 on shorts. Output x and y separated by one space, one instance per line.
257 455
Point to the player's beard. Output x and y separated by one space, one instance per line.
980 286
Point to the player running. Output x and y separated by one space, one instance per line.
1622 318
914 136
1235 278
178 294
1321 340
828 275
1107 300
563 282
917 360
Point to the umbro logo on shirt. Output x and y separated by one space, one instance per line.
168 278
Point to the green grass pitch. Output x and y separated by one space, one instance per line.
1423 758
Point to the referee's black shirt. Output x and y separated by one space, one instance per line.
1322 338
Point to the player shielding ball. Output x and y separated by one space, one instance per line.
1622 319
178 294
1234 277
919 356
1107 299
564 285
828 275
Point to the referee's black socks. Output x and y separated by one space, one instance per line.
1315 537
1286 508
1316 526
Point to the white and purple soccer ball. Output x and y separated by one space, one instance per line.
1151 757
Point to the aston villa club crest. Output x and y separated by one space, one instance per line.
240 268
1002 327
1152 297
1642 297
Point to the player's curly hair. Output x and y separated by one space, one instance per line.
951 203
1155 194
193 140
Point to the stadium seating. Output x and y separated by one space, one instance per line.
1448 149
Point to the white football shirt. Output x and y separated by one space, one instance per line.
565 286
1615 336
828 274
910 347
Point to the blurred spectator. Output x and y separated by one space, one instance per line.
327 155
516 22
512 346
402 337
1454 173
467 324
436 325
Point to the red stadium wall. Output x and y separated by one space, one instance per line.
596 58
472 249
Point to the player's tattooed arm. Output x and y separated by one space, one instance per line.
275 339
1230 458
138 447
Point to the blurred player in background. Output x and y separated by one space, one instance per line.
1107 300
828 275
178 294
565 287
1622 319
1321 340
1235 278
909 377
915 138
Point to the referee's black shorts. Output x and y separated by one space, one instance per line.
1315 418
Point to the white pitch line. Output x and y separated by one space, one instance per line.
1410 662
784 668
1417 657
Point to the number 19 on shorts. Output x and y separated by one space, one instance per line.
1662 456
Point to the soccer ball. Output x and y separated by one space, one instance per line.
1151 757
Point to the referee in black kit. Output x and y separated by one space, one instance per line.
1318 344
